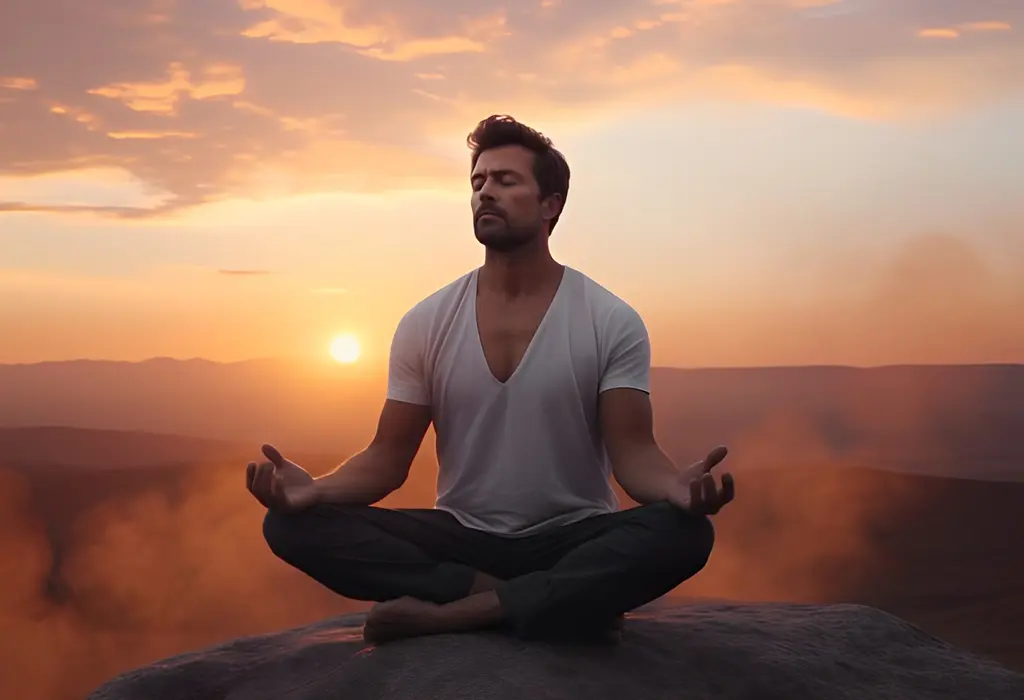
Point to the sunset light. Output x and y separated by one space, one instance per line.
345 349
740 341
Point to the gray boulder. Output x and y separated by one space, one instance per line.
693 652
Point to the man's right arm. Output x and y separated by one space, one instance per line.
383 466
371 475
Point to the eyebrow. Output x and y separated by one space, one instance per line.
495 173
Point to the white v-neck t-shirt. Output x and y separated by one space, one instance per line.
521 456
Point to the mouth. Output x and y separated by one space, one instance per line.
488 215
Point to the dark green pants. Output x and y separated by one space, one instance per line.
570 577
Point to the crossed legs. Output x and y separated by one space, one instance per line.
431 574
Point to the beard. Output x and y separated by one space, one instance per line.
498 235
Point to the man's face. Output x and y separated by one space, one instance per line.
507 211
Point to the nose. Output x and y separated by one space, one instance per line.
486 190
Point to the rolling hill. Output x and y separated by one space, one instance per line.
941 420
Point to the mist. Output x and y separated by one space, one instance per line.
124 574
867 486
130 575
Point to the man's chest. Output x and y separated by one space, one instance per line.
493 371
506 333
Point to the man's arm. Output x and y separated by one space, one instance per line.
641 467
381 468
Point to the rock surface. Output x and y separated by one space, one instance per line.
693 652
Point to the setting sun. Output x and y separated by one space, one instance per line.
345 349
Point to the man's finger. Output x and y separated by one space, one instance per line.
709 493
273 455
728 488
264 473
715 457
250 474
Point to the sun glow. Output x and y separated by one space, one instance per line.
345 349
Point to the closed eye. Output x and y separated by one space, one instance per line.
505 178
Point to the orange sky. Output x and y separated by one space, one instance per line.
767 181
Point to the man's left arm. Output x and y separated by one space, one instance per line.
639 465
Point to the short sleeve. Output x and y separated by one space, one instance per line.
407 376
627 362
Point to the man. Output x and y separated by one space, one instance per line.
536 380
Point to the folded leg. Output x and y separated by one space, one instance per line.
378 554
607 566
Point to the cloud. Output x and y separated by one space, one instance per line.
163 96
400 35
120 212
17 83
938 33
212 99
108 188
954 32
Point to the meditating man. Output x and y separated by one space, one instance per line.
536 380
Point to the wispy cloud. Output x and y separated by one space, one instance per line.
211 99
17 83
164 96
956 31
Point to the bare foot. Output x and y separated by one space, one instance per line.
400 618
409 617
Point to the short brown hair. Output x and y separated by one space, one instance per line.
549 166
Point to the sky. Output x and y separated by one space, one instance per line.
768 182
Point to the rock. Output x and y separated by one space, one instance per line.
693 652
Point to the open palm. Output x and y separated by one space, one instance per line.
696 490
280 483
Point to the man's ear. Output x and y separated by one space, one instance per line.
551 206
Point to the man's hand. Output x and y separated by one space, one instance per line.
696 491
280 483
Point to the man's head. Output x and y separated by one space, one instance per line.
520 183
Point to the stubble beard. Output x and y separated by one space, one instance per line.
504 238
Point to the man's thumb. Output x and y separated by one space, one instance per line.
714 457
271 453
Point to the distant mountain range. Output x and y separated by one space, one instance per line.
961 420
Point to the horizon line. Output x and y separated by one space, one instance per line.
321 361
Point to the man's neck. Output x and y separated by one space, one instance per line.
520 273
